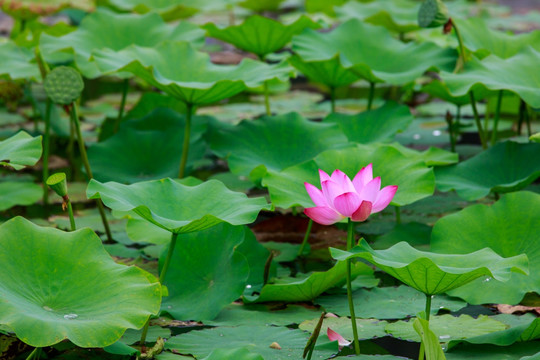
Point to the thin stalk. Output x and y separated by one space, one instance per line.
496 118
421 354
267 99
69 150
477 120
333 99
185 146
371 95
528 112
427 311
521 118
350 242
35 354
461 60
125 88
70 212
84 157
451 131
46 136
398 214
306 237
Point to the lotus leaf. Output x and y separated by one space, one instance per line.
414 179
396 15
257 338
196 207
148 148
17 62
510 227
206 273
167 9
433 273
104 29
387 303
241 353
20 150
260 35
307 289
14 193
376 125
372 53
505 167
367 328
329 72
68 287
440 90
272 143
433 156
30 9
517 74
261 5
325 6
523 351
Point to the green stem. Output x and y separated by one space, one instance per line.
69 151
461 61
496 118
185 146
306 237
71 217
35 354
421 354
428 306
398 214
267 99
350 242
84 157
477 120
333 99
125 88
46 136
371 95
528 112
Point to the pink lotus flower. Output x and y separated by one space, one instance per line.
334 336
342 198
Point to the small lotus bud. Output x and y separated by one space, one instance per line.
432 13
58 183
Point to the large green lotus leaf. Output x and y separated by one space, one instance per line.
257 338
243 314
104 29
16 62
168 9
146 149
367 328
150 101
260 35
256 255
448 327
400 16
261 5
414 179
197 81
14 193
20 150
387 303
510 227
329 72
440 90
325 6
241 353
433 273
517 74
433 156
522 351
415 233
206 273
371 52
66 286
179 208
505 167
482 40
308 288
275 142
377 125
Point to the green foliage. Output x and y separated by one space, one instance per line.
20 150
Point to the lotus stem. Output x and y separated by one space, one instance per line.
185 146
46 136
267 99
350 243
528 112
69 150
125 88
306 237
35 354
477 120
67 201
267 266
371 95
332 99
461 60
496 118
398 214
84 157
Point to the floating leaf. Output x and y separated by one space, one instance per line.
260 35
376 125
510 227
19 193
414 179
371 52
490 352
241 353
20 150
17 62
387 303
257 338
367 328
69 288
272 143
516 74
433 273
195 208
505 167
206 274
102 30
167 9
197 81
307 289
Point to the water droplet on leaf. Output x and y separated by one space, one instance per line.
71 316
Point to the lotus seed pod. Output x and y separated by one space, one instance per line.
63 85
58 183
432 13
